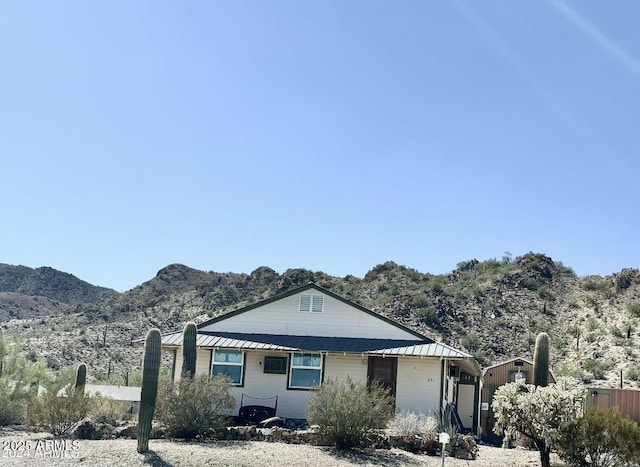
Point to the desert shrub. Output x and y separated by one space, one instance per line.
601 438
633 373
471 342
58 414
568 370
104 409
592 336
19 380
13 403
566 270
481 356
438 284
195 407
532 283
346 412
597 368
596 285
592 324
467 265
411 423
429 315
537 412
421 301
634 309
617 332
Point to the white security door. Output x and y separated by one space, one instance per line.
465 404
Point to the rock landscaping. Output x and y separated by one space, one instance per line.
460 447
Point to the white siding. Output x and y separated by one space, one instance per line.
418 385
338 367
291 403
283 317
203 362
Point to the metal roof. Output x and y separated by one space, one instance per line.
506 362
118 393
396 347
210 340
434 349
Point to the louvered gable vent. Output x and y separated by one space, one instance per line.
313 303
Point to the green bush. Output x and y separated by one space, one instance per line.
346 412
597 367
104 409
471 342
195 407
438 284
633 373
429 316
19 380
13 403
58 415
634 309
596 285
601 438
566 270
592 324
532 283
421 301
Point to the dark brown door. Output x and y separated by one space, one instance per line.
384 371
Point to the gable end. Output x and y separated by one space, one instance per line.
312 286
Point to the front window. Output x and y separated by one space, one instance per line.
228 363
306 370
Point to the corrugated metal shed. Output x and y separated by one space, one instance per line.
495 376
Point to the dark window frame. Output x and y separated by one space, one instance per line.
279 368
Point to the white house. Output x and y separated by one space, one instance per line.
286 345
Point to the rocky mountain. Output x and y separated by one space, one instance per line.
494 309
27 292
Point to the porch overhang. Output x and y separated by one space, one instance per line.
346 345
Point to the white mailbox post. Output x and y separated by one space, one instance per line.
444 439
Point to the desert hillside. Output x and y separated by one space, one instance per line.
493 309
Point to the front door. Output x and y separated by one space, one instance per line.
465 404
384 371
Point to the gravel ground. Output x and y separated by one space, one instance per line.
21 448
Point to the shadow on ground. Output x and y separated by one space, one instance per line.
373 457
153 459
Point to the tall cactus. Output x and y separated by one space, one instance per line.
81 379
149 391
189 336
541 360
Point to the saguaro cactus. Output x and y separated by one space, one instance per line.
149 392
81 379
541 360
189 336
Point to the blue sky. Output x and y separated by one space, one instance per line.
331 135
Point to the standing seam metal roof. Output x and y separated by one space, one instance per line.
276 342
